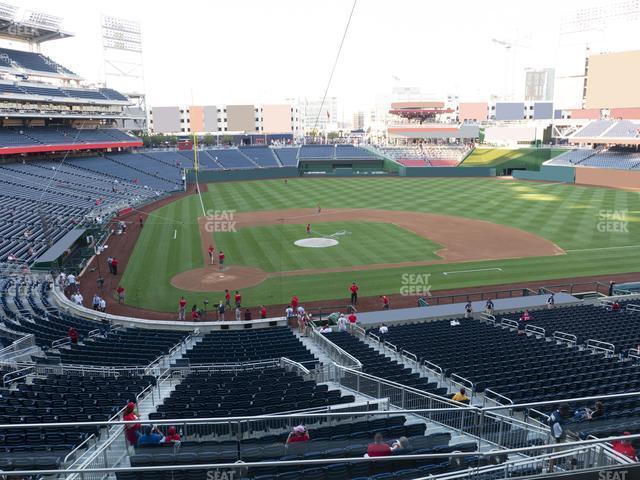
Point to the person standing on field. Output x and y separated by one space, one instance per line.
238 314
238 299
263 311
227 298
182 304
354 293
221 311
121 293
211 251
385 302
221 259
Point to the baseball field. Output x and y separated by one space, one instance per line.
387 232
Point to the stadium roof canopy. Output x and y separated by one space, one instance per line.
29 26
610 132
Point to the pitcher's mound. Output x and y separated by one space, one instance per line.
211 279
316 242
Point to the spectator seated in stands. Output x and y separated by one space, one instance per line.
589 414
401 446
461 396
624 447
383 329
172 436
526 316
378 448
615 307
151 436
298 434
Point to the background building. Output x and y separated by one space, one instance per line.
267 119
538 84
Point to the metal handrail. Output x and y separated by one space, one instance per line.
465 382
566 447
455 406
512 464
508 323
564 337
487 317
11 348
432 367
79 447
632 307
391 345
358 329
496 394
60 342
143 393
332 349
6 380
287 361
597 345
535 330
408 354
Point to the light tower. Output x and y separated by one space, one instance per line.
123 65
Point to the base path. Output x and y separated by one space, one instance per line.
463 239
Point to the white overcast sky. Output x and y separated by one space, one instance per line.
263 51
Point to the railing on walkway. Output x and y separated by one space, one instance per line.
539 332
572 459
17 374
495 428
566 338
586 455
19 349
596 287
333 351
601 347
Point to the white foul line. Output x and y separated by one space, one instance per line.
474 270
601 248
175 232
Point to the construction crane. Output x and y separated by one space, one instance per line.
508 64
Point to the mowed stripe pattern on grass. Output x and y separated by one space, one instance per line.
571 216
272 248
157 257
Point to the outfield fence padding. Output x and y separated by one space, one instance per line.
447 172
210 176
547 174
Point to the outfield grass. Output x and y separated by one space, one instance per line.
272 248
528 158
568 215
